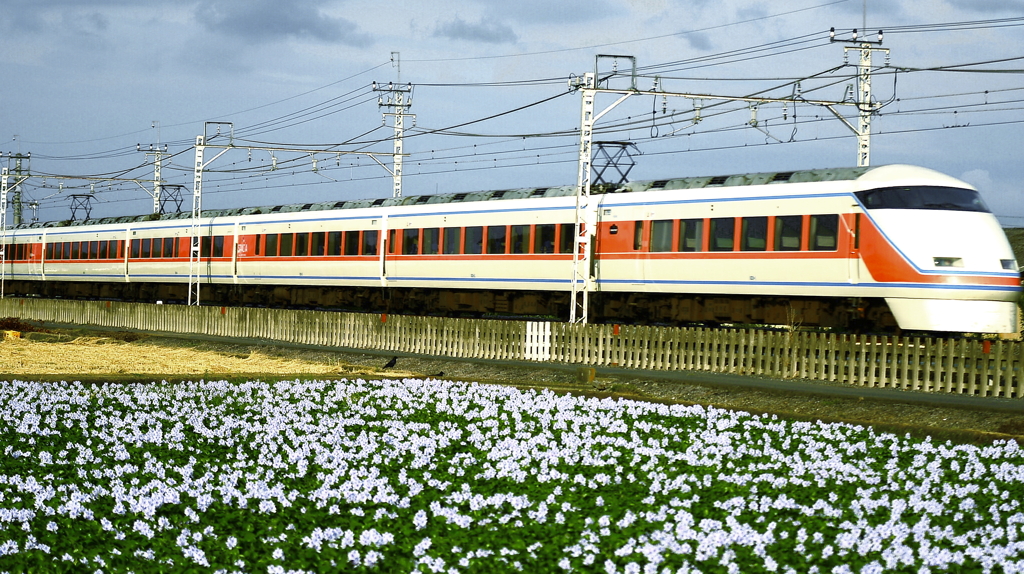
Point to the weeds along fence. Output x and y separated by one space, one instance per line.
961 366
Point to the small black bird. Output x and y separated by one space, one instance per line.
391 363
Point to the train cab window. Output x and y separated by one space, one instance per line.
285 244
544 238
169 246
410 241
337 242
638 234
691 235
922 197
754 234
520 239
723 232
351 243
218 246
496 238
271 249
824 231
661 235
431 240
317 244
301 244
474 240
451 241
566 237
370 242
788 230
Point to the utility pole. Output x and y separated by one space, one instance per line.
5 186
21 173
158 155
397 98
866 108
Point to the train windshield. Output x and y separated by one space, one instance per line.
922 197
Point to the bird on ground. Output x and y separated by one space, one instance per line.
391 363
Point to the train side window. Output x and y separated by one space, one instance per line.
496 239
566 238
301 244
218 246
788 230
431 240
285 244
410 241
452 241
474 240
66 251
337 243
49 251
351 244
520 239
391 241
271 245
754 234
169 246
204 247
94 249
691 235
256 251
544 238
661 235
101 250
147 248
824 231
638 235
723 232
370 242
136 249
317 246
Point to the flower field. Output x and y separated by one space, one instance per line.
436 476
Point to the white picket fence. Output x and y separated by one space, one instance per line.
961 366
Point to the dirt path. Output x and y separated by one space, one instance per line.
115 356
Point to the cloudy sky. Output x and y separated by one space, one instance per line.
85 81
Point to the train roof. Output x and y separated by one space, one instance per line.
802 176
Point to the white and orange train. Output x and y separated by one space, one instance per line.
892 246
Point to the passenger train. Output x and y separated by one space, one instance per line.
891 247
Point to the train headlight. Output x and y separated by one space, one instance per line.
1009 264
948 261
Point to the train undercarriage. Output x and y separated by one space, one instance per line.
861 315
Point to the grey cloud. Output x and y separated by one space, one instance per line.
274 20
568 12
989 6
487 31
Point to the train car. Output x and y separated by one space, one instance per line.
874 247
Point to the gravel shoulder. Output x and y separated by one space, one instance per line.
102 357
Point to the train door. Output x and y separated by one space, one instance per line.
235 252
383 246
853 260
35 257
